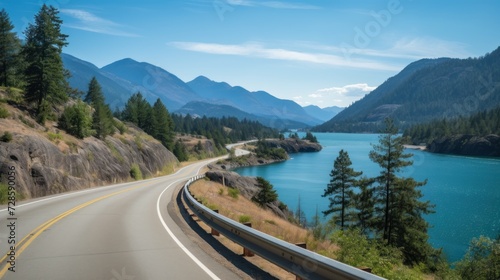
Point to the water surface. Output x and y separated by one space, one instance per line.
465 190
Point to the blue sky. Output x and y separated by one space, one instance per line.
313 52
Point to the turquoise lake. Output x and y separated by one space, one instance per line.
465 190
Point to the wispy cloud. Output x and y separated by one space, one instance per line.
89 22
404 48
340 96
272 4
260 51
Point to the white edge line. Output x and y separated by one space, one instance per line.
92 189
196 260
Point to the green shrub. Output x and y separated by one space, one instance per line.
135 172
54 137
221 191
4 194
244 219
3 113
234 193
6 137
77 120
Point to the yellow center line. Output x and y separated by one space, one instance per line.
28 239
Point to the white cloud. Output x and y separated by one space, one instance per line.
349 90
271 4
342 96
258 50
92 23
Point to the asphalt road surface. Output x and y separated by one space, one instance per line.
118 232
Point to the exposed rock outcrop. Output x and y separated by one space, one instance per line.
468 145
43 169
291 145
243 161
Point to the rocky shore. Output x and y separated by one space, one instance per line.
467 145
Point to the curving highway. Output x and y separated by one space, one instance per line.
118 232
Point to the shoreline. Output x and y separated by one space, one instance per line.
416 147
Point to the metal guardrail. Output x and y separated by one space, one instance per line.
299 261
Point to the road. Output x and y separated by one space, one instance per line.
239 152
119 232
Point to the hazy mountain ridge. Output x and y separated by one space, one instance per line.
258 103
125 77
201 108
425 90
323 114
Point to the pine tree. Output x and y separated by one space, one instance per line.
266 194
364 204
389 155
102 119
163 125
397 200
342 182
44 73
139 111
9 49
180 151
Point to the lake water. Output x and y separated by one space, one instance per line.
465 190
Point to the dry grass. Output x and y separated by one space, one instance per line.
217 196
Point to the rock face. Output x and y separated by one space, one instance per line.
468 145
42 169
247 186
294 145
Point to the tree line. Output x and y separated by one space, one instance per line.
480 124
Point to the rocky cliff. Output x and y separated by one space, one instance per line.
468 145
49 161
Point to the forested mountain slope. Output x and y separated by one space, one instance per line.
426 90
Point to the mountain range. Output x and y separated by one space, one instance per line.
199 97
425 90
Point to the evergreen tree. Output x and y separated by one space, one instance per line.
342 182
266 194
409 227
102 119
397 200
364 204
163 126
9 49
44 73
309 136
139 111
180 151
389 155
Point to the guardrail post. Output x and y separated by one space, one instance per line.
302 245
247 252
212 230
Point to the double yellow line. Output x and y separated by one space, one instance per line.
28 239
